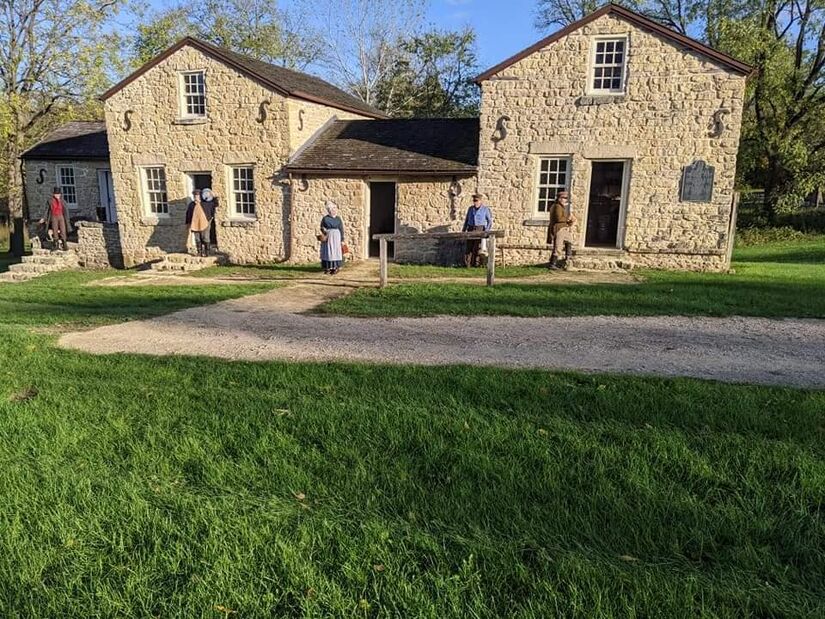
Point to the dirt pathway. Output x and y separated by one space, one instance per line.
275 325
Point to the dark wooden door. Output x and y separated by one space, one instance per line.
604 206
382 214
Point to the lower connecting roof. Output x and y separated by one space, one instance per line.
418 146
76 140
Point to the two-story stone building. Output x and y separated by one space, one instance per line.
639 123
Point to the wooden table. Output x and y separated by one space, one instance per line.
490 235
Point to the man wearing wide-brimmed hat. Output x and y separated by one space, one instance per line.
56 217
558 232
479 217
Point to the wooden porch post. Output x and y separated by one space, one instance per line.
491 260
382 262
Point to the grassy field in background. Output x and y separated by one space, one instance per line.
780 279
187 487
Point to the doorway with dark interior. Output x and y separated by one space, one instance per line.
382 215
202 180
604 207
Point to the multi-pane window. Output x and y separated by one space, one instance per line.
243 192
608 65
66 181
194 94
157 201
554 176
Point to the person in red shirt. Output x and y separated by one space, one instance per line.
57 216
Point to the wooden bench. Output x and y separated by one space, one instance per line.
490 235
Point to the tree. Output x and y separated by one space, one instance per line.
432 76
256 28
53 53
363 39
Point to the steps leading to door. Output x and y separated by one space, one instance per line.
184 263
41 261
600 260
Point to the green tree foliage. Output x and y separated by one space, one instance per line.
783 131
433 77
54 56
256 28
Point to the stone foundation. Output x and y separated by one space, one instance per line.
98 245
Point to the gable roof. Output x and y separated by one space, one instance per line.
76 140
285 81
636 19
428 146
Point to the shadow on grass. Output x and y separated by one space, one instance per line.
660 295
472 488
800 255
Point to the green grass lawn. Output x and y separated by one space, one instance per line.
185 487
412 271
775 280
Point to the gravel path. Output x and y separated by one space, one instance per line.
274 325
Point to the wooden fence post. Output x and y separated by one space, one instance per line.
491 260
382 262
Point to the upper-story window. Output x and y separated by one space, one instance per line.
193 94
607 74
66 181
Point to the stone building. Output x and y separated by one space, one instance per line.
640 123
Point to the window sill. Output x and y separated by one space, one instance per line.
240 223
600 99
154 220
537 222
191 121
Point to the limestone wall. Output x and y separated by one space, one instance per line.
308 210
305 118
661 124
98 245
86 186
422 205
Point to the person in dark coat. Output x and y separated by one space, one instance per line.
199 217
56 217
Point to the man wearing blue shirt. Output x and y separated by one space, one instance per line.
479 217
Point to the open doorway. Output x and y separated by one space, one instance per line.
382 215
605 204
197 180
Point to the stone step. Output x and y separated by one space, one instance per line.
184 263
28 267
67 260
600 263
11 276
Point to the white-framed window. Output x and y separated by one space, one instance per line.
242 191
607 73
554 176
155 196
193 94
67 184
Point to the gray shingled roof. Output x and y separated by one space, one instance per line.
421 145
74 140
290 83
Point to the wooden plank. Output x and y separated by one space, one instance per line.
491 261
382 262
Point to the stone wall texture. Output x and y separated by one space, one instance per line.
422 205
98 245
305 118
660 125
231 134
86 186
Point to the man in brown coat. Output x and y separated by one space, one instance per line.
558 232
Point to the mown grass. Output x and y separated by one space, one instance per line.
414 271
175 487
183 487
64 299
774 280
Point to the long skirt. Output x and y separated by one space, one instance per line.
331 254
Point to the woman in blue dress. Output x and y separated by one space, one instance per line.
332 239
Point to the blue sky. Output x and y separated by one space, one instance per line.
504 27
